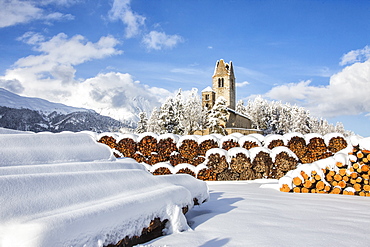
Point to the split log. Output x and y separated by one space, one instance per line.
250 144
248 174
207 175
127 147
298 146
147 145
206 145
109 141
186 171
262 164
336 144
276 143
162 171
285 188
227 175
189 149
240 163
176 159
283 163
226 145
166 147
217 163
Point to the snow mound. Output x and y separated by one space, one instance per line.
273 137
67 190
44 148
232 152
208 137
276 150
11 131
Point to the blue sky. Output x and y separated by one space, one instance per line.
99 54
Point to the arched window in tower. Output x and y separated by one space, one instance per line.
222 82
219 82
207 96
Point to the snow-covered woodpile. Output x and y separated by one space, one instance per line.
217 157
347 172
66 189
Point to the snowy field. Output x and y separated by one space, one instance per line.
255 213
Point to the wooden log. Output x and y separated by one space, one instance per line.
262 165
217 163
186 171
297 190
189 149
336 190
276 143
166 147
127 147
284 188
308 184
240 163
248 174
139 158
227 175
336 144
176 159
305 190
298 146
207 145
342 184
320 185
162 171
297 181
283 163
147 145
337 177
109 141
229 144
249 144
207 175
357 187
366 187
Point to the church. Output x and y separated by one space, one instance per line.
223 84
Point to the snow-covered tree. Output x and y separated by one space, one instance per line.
218 117
153 122
142 125
194 117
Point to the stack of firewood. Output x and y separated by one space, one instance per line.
173 150
349 176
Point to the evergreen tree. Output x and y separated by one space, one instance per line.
142 125
218 117
153 123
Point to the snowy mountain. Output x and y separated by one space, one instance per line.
35 114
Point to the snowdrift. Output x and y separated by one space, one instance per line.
68 190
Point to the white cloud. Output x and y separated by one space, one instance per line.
13 12
159 40
347 93
241 84
51 75
354 56
121 10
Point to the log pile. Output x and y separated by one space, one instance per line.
344 174
151 149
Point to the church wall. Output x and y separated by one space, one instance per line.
237 121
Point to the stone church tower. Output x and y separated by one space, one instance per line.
223 84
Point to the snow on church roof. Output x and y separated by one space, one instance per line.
207 89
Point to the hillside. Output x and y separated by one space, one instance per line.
35 114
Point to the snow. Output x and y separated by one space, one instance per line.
183 166
142 135
364 143
269 138
290 135
251 213
276 150
10 131
220 151
186 137
12 100
67 190
254 151
162 164
43 148
207 89
127 136
309 136
259 137
231 137
174 137
249 138
329 136
232 152
208 137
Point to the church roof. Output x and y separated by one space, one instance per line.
207 89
